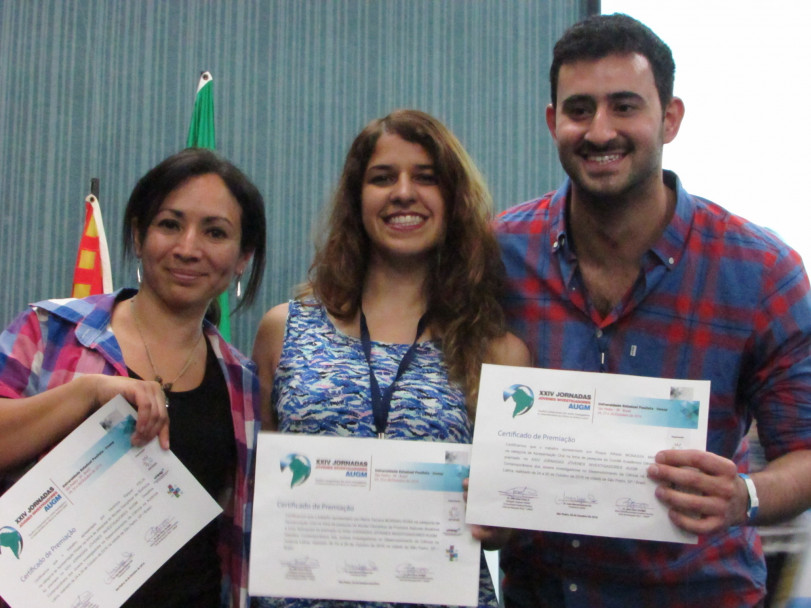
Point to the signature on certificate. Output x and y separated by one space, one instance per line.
628 506
358 569
300 568
520 492
148 462
119 568
415 574
155 534
576 500
84 600
300 563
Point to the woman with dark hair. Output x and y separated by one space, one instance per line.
194 222
408 270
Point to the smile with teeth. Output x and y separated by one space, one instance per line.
405 220
604 157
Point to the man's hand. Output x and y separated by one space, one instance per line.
701 490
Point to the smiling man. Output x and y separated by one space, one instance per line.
622 271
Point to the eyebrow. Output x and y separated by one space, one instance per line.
617 96
385 167
625 95
209 219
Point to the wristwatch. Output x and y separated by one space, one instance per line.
752 507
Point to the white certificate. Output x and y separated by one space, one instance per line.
94 518
565 451
362 520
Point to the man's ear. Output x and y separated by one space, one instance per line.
551 121
673 115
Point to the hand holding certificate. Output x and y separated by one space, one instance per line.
96 517
566 451
362 519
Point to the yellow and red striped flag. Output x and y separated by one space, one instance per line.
92 274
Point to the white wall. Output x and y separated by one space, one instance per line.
743 69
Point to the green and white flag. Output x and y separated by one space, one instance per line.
201 135
201 129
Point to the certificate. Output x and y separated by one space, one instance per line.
94 518
362 520
565 451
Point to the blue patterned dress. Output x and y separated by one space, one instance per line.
321 387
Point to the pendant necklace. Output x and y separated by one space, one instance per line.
165 386
381 402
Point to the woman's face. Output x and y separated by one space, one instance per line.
191 250
402 207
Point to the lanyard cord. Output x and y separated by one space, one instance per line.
382 403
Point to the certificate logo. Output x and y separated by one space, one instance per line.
521 397
11 539
299 467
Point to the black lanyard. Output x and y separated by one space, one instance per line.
382 403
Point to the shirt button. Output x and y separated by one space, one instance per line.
573 587
575 543
555 245
670 261
599 333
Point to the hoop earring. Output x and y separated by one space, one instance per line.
239 286
138 272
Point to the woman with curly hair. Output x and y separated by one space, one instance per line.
401 309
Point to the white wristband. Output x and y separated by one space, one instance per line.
752 508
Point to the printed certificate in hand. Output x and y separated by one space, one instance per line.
564 451
96 517
362 520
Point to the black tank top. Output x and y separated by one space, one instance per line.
202 437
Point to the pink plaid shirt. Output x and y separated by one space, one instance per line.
58 340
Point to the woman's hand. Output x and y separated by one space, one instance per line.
144 395
31 425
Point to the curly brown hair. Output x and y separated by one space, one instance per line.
465 281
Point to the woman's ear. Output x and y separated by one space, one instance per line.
243 261
136 238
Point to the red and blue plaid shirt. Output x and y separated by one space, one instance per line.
718 299
59 340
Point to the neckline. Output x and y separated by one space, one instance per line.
209 353
356 340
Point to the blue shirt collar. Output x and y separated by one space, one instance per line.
669 249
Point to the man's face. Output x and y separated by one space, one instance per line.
609 126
